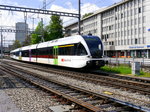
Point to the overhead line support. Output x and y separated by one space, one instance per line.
38 11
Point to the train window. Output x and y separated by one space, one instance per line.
66 50
50 52
80 50
95 46
43 51
33 52
25 53
17 53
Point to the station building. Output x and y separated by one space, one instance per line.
124 28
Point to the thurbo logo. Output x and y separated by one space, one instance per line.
65 60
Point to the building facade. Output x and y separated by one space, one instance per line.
21 31
123 27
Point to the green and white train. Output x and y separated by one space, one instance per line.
74 52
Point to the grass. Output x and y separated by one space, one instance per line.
122 69
143 74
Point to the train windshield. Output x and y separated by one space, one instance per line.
95 46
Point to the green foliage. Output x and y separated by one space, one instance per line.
86 15
117 69
143 74
123 69
36 36
27 41
54 29
50 32
16 44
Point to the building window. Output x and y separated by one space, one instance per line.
124 14
135 10
139 1
131 22
128 41
143 8
144 29
144 19
143 40
121 42
121 15
124 23
135 31
131 31
121 33
118 34
136 41
139 20
131 41
135 21
131 12
139 9
128 33
139 30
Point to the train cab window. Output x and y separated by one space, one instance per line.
80 50
17 53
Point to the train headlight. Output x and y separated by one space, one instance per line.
99 46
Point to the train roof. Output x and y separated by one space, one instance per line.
15 50
61 41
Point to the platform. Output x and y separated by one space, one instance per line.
6 105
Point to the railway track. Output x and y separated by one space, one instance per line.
88 100
126 84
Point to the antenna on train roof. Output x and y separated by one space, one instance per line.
90 34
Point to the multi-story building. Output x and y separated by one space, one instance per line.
21 31
123 27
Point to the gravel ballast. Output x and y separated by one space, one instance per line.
134 98
31 99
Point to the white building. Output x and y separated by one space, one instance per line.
123 27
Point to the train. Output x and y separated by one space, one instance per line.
73 52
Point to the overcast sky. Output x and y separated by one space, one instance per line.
8 18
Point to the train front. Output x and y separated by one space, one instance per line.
96 50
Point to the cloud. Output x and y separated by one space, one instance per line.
115 1
9 18
85 8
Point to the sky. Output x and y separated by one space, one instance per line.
9 18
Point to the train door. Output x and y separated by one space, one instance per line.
20 55
55 55
29 54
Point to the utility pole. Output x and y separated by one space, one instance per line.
44 4
1 43
32 24
42 32
79 29
25 19
1 38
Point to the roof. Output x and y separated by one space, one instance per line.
102 10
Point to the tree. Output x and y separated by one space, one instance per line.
16 44
55 29
27 41
86 15
36 36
